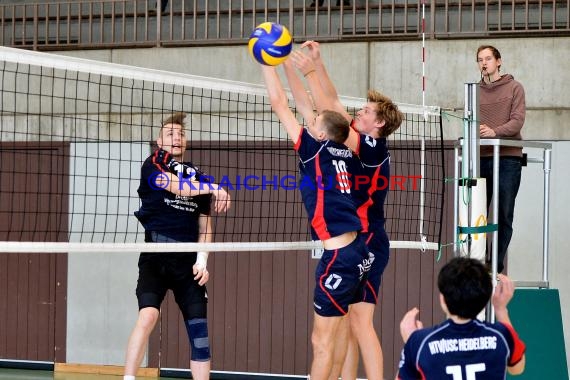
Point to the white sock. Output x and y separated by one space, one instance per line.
128 377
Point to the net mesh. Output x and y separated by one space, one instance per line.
74 134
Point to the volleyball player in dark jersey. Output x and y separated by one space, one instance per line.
324 165
175 207
463 347
378 118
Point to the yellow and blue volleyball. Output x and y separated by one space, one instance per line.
270 43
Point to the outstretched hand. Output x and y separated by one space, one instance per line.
314 49
302 62
223 200
410 323
504 292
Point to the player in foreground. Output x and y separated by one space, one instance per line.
463 347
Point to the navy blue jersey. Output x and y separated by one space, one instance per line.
169 214
372 181
324 168
475 350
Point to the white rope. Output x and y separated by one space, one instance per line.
54 61
38 247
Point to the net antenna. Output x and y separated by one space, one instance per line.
75 133
423 237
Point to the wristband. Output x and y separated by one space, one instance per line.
202 259
310 71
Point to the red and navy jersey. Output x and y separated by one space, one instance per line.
324 168
450 351
371 181
169 214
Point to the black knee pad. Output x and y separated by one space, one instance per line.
197 329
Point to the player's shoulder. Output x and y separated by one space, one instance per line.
368 142
149 163
500 327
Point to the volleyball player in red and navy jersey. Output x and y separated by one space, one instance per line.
378 118
463 347
324 164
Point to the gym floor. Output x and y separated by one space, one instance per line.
22 374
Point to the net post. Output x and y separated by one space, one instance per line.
471 143
456 200
545 229
470 150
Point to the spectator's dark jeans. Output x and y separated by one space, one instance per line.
509 182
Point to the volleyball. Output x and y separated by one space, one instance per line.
270 43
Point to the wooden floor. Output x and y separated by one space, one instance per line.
21 374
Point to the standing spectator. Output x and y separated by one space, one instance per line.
502 114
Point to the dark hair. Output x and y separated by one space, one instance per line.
175 118
496 53
387 111
466 286
336 126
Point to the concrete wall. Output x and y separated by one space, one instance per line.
394 68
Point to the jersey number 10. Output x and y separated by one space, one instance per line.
342 176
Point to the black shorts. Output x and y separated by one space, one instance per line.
161 271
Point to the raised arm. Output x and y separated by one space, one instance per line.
410 323
320 84
504 292
279 102
302 99
322 89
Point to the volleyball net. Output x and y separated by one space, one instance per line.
74 134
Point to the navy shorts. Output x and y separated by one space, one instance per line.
379 245
160 271
340 277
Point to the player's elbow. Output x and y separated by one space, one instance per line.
518 368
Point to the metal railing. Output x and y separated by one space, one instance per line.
84 24
545 160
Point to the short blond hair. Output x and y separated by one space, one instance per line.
387 111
